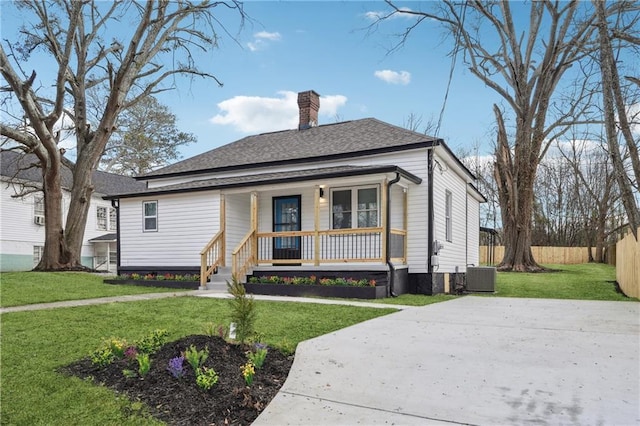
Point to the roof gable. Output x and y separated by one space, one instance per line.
349 138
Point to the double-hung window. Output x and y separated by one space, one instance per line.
355 208
101 218
448 215
150 216
113 219
38 210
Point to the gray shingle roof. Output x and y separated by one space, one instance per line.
274 177
14 164
339 139
105 238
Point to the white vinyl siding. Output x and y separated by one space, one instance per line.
150 216
448 219
188 222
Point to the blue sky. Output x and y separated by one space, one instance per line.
288 47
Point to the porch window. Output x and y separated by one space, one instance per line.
150 212
447 215
113 219
366 213
101 218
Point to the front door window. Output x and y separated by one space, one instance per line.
286 218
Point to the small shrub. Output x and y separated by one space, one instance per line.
144 364
102 357
196 358
206 378
242 310
154 341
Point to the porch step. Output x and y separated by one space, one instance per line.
219 280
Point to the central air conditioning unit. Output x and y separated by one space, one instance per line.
38 220
481 278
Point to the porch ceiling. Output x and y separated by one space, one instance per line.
277 177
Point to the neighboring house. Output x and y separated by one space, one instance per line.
356 199
22 219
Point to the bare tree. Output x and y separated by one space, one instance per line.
616 116
157 46
524 66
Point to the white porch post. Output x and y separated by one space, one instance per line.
316 226
384 221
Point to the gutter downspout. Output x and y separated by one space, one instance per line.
430 227
115 203
388 234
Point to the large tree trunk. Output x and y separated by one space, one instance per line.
515 193
55 255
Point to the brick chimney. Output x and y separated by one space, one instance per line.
309 104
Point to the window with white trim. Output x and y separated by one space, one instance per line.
101 218
38 251
448 200
355 207
113 219
150 216
38 210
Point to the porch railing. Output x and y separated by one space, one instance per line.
321 247
211 256
244 256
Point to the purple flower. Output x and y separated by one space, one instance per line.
175 366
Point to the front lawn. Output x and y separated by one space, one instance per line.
589 281
25 288
36 343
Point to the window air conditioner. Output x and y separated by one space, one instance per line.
38 220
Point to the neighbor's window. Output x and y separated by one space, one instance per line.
101 218
447 215
38 208
366 213
38 251
113 219
150 212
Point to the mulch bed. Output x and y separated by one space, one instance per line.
181 401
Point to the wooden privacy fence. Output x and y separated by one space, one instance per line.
628 265
557 255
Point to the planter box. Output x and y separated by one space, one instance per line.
192 285
346 292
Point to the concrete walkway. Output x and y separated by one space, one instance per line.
197 293
474 360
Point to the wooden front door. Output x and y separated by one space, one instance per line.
286 217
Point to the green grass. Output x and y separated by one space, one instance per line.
36 343
25 288
589 281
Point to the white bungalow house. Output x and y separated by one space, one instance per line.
356 199
22 218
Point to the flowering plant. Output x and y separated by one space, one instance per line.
248 371
176 367
258 354
159 277
311 280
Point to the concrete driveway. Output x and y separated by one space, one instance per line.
473 360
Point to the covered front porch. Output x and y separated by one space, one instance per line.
340 224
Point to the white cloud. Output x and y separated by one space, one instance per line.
254 114
376 15
261 40
634 118
394 77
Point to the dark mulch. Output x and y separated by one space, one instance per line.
181 401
